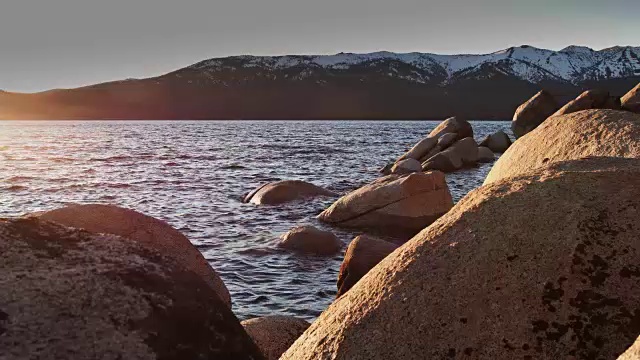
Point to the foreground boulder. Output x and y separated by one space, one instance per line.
544 266
498 142
71 294
311 240
285 191
394 205
406 166
532 113
363 253
148 231
631 101
274 334
462 128
463 153
590 99
573 136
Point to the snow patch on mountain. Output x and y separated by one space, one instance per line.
572 64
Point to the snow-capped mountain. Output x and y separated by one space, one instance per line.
380 85
573 64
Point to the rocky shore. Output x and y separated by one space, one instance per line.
541 262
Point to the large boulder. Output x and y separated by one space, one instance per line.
406 166
544 266
447 140
67 293
590 99
533 112
311 240
146 230
631 101
285 191
363 253
573 136
394 205
454 125
463 152
274 334
498 142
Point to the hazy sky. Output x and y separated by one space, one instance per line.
65 43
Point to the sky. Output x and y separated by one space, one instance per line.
47 44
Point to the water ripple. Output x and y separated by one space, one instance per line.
194 179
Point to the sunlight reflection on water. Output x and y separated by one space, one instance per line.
193 175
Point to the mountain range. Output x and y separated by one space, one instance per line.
380 85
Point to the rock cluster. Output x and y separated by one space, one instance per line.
570 137
540 266
543 106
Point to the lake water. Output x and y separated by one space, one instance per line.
194 174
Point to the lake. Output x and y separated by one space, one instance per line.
194 174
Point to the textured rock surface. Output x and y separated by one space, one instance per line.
573 136
485 155
274 334
406 166
308 239
363 253
633 353
454 125
498 142
71 294
146 230
631 101
540 267
532 113
590 99
393 205
285 191
463 152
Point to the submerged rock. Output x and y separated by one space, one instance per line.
573 136
309 239
590 99
406 166
285 191
498 142
394 205
363 253
148 231
274 334
544 266
533 112
631 101
79 295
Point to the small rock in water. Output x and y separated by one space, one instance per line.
311 240
285 191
